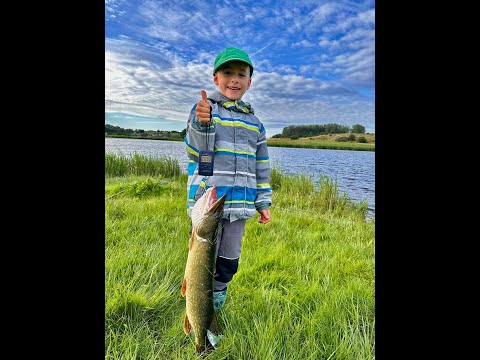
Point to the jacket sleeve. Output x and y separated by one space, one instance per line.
263 199
197 135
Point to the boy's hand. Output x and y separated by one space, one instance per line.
264 216
203 109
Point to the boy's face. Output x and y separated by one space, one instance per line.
233 79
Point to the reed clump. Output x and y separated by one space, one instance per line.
140 164
323 196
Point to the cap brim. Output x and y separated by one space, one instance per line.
231 59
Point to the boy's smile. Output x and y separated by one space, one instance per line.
233 79
234 92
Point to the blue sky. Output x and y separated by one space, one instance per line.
314 60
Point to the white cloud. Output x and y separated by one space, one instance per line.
303 43
312 61
170 92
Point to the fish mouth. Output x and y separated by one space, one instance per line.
213 202
219 203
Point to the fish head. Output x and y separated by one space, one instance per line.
207 212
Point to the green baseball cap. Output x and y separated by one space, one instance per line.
230 54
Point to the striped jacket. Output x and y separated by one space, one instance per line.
241 164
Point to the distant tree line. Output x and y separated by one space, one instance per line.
117 130
296 131
293 131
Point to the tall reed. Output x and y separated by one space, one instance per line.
140 164
322 196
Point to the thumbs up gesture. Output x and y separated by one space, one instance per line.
203 109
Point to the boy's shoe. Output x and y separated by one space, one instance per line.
219 298
214 339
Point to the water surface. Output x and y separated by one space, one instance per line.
354 171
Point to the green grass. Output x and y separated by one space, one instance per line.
304 289
324 145
325 142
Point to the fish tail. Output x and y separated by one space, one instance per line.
199 348
214 325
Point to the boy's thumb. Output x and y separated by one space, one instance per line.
204 95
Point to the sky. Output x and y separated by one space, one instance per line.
314 60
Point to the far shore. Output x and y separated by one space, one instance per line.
313 142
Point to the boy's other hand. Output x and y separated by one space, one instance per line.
203 109
264 216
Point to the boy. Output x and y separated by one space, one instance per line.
226 125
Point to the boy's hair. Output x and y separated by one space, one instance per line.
230 54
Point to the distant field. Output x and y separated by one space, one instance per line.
314 142
326 142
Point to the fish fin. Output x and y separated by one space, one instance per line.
214 325
187 327
184 286
190 242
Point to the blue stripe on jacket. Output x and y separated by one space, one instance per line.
233 192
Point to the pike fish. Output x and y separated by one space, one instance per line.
197 285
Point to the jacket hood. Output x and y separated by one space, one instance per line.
235 105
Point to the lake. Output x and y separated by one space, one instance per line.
354 171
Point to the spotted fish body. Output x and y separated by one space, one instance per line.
197 284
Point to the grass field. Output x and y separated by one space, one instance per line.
326 142
304 289
314 142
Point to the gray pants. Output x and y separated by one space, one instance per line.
229 246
